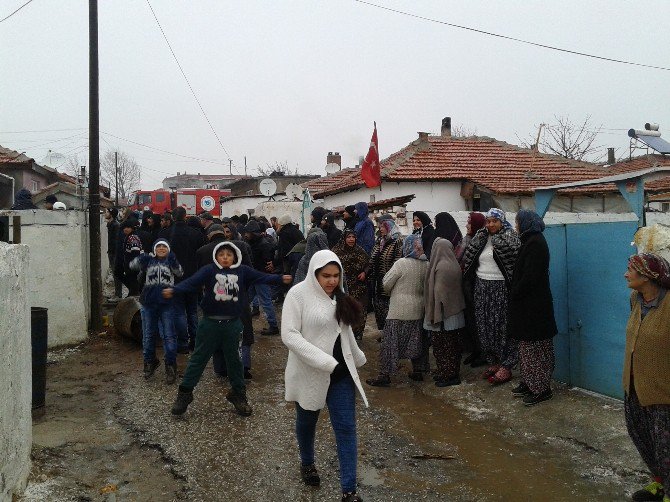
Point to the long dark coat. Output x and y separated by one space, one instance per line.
531 310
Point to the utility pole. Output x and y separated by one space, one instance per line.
245 165
94 170
116 179
230 163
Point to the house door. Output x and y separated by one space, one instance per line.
591 301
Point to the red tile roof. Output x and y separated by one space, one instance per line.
493 165
8 156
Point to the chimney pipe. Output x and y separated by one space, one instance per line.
446 127
423 137
610 156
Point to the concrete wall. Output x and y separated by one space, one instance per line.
430 197
15 371
58 275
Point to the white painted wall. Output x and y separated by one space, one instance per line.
430 197
15 371
58 275
279 208
240 205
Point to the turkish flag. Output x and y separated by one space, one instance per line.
371 170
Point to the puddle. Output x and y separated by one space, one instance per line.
369 476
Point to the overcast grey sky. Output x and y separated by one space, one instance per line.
292 80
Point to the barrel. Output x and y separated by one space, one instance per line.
128 319
39 330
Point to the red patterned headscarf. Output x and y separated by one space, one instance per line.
652 266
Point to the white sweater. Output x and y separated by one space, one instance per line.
309 330
488 268
404 283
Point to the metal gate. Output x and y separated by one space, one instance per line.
591 302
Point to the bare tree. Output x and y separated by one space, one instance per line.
568 139
463 131
128 172
73 165
276 169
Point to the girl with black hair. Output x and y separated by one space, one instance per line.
316 327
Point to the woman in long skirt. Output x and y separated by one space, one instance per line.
531 311
403 330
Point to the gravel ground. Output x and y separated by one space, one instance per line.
108 435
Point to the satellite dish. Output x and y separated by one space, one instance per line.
332 168
55 160
293 191
267 187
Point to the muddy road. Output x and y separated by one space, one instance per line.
108 435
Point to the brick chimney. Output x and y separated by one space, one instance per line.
446 127
423 137
334 158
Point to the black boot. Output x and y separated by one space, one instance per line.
170 373
149 368
184 398
310 476
240 403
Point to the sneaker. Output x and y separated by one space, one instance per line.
184 398
521 390
255 311
149 368
247 374
653 491
448 382
271 331
240 403
531 399
310 475
351 497
170 373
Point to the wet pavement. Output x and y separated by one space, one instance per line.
108 435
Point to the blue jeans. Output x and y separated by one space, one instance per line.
264 296
186 319
342 409
158 319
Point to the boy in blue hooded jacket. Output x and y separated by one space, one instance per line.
159 269
220 328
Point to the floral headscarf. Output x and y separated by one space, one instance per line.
412 247
498 214
653 266
392 230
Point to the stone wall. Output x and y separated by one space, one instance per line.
15 371
58 274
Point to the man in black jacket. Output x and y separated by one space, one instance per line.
288 235
333 233
262 255
184 243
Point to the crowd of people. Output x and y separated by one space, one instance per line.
485 294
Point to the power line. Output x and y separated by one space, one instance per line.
506 37
44 130
165 151
187 81
10 15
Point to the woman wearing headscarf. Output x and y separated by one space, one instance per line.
531 311
354 262
386 251
475 222
403 330
646 369
423 227
444 311
316 241
489 263
447 228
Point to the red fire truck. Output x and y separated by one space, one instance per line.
194 200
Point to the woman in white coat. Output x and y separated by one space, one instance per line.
323 356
